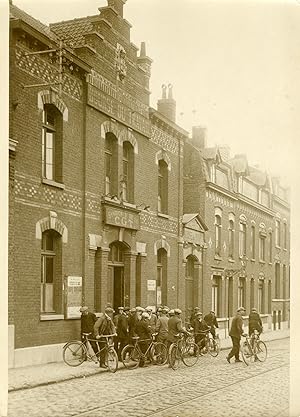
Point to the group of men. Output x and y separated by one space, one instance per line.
143 322
236 331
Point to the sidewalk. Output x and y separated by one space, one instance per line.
50 373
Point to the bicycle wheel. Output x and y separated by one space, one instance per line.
111 360
130 357
261 351
174 356
74 353
191 355
246 352
159 354
213 347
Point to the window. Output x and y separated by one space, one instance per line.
127 179
216 295
269 297
231 240
251 293
50 271
116 253
277 280
161 279
242 239
111 165
262 247
252 237
260 301
218 228
277 232
52 143
241 292
284 282
162 198
270 247
284 235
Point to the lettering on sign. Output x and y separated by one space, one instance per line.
73 296
122 218
151 284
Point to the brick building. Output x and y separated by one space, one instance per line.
95 180
247 213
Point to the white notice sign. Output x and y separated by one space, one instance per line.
151 284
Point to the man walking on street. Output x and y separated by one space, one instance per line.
235 333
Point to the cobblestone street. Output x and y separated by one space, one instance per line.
212 388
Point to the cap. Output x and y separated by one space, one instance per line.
212 311
171 312
138 308
177 311
145 315
164 310
120 308
241 309
109 310
148 309
196 308
84 308
133 310
253 309
198 313
126 308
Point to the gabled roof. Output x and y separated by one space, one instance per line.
188 217
239 164
17 14
73 31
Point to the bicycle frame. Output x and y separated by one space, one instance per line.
89 347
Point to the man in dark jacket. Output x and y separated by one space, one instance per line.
235 333
122 330
175 326
200 326
87 321
104 325
143 330
255 322
212 321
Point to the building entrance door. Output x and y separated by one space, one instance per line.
118 285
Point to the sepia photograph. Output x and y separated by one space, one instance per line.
150 176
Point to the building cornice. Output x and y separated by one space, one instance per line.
221 190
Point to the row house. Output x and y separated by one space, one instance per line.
96 184
247 214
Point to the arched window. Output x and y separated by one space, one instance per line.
162 198
111 164
253 242
277 280
51 272
127 184
261 296
277 233
116 253
270 247
242 239
161 279
241 292
52 152
218 229
231 239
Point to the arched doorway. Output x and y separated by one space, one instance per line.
116 282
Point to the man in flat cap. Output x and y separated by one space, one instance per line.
255 322
235 333
103 326
87 322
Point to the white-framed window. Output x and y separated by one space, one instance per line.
161 277
253 241
277 280
231 239
241 292
284 237
111 164
242 239
216 294
218 234
270 247
277 233
128 172
162 198
260 296
262 247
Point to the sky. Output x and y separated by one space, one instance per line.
234 67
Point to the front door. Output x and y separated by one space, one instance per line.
118 286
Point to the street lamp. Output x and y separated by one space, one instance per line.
230 273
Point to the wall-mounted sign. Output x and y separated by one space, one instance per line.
151 285
122 218
73 296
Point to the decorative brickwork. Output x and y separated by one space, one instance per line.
40 68
158 224
164 140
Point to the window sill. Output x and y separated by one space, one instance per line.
165 216
261 261
231 260
53 183
270 263
48 317
252 260
218 258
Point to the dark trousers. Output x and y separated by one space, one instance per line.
93 344
123 341
235 351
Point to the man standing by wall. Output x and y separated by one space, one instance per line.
235 333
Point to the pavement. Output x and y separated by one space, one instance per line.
51 373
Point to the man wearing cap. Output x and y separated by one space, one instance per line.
87 321
152 318
193 316
143 330
255 322
122 330
200 327
212 321
104 325
175 326
235 333
115 320
161 327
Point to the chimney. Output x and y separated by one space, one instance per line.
167 105
199 134
117 5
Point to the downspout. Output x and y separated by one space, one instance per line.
84 135
180 203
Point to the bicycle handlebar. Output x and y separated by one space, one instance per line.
106 335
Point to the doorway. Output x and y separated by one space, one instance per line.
118 287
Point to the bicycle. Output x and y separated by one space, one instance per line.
132 355
253 349
76 352
183 349
211 344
